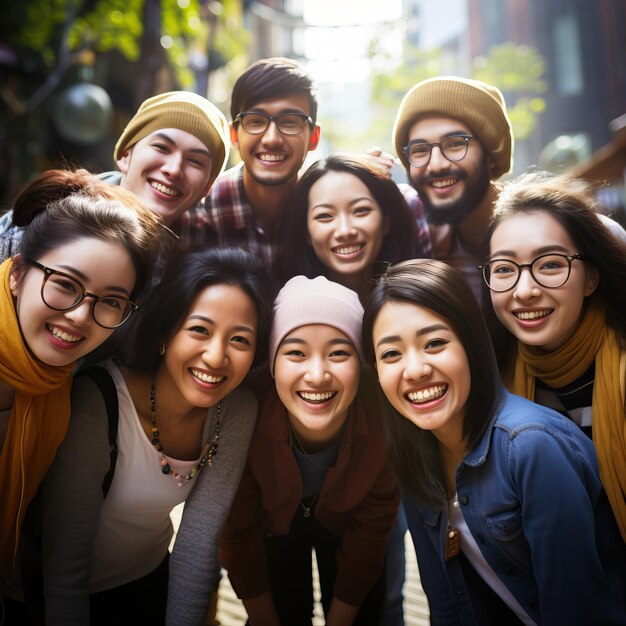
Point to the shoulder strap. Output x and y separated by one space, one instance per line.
105 383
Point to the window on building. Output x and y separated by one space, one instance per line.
568 55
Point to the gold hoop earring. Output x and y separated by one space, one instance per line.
162 349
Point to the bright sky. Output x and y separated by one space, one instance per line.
337 46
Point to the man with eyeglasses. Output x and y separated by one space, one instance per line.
274 111
454 138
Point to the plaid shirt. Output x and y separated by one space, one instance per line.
226 218
10 237
424 247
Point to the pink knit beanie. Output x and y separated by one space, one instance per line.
303 301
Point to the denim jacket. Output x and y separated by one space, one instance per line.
532 499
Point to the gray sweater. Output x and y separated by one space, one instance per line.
72 497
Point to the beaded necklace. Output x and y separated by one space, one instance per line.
209 449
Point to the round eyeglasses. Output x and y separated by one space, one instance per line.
62 292
547 270
453 148
257 123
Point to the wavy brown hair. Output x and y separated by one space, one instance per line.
570 201
61 206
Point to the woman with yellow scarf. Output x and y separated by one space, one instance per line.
557 277
86 253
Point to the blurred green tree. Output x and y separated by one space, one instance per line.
51 35
517 70
132 48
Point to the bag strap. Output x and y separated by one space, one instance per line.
106 384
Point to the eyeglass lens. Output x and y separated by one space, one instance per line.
63 293
287 123
453 148
548 270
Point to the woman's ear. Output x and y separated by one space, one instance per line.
15 275
592 280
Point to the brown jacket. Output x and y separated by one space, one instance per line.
358 502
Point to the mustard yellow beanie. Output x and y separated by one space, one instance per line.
478 105
183 110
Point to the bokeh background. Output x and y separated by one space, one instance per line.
72 72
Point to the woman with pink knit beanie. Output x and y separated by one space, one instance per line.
317 475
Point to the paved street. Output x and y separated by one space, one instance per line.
230 611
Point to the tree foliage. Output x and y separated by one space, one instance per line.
517 70
53 32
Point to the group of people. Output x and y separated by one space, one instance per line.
312 361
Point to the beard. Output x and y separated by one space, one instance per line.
454 211
268 181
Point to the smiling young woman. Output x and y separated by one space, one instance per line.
556 272
498 540
184 426
346 222
85 255
317 475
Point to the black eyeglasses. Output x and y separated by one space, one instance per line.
287 123
62 292
547 270
454 148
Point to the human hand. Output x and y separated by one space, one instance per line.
382 161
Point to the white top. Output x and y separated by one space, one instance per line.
136 511
483 569
135 528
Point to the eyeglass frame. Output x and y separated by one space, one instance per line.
464 136
48 271
273 118
522 266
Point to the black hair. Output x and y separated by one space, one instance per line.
272 78
443 290
298 257
167 304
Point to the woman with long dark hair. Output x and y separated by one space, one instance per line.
503 498
184 426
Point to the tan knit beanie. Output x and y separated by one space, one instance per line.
479 106
183 110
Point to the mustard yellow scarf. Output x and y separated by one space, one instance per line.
37 424
593 341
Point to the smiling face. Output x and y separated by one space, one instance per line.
272 158
61 337
422 367
536 315
345 224
317 372
449 189
212 351
169 170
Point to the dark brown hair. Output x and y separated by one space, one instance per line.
443 290
272 78
298 257
60 206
